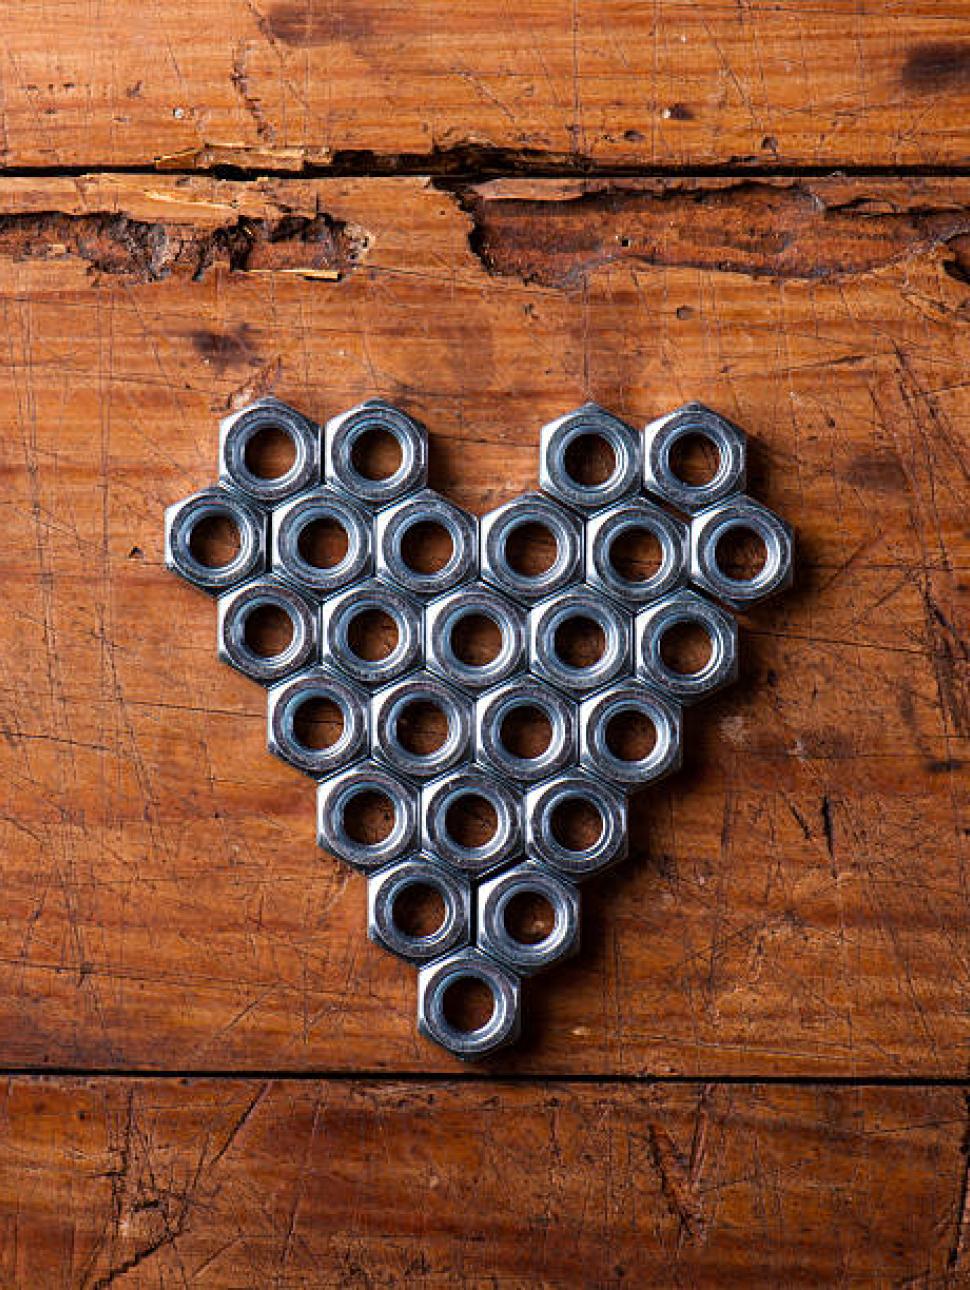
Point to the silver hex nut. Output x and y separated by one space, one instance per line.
385 927
741 514
523 697
607 529
340 619
497 937
338 833
437 979
686 608
690 421
236 612
240 431
471 794
392 708
442 624
590 422
590 617
344 436
291 698
293 529
246 519
551 842
497 563
597 751
392 527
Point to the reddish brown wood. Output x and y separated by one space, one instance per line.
797 900
278 84
219 1183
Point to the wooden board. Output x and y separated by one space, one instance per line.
213 1183
796 903
279 84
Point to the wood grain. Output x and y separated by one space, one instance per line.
229 1183
279 84
797 901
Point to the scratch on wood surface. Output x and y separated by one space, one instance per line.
680 1178
959 1248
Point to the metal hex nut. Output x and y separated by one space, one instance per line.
606 528
337 616
443 616
234 612
389 707
437 978
290 523
384 890
236 433
693 419
594 422
285 702
495 706
545 622
469 785
595 753
653 623
499 525
342 435
543 843
494 937
426 507
335 796
181 522
741 513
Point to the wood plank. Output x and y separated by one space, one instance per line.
797 901
224 1183
278 84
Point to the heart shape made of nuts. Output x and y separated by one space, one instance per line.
629 610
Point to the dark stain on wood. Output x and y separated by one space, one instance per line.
151 251
309 25
225 349
942 65
759 229
879 472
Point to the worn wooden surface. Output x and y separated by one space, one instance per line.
282 83
797 900
486 213
263 1183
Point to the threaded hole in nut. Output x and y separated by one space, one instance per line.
468 1004
372 635
526 731
270 452
476 640
686 648
531 549
529 918
741 553
215 541
695 458
579 642
636 554
422 727
318 723
376 454
268 631
589 460
576 824
427 547
630 735
471 821
369 817
323 542
418 910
